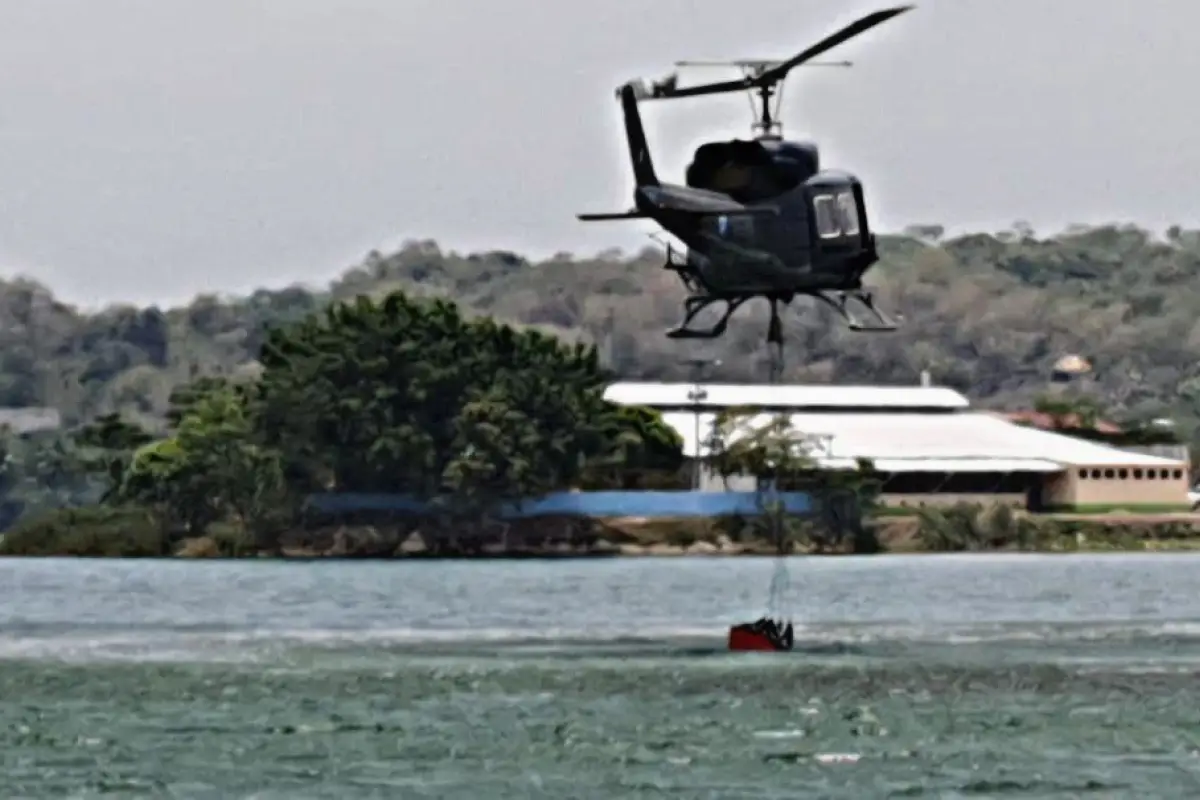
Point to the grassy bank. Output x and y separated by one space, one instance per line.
134 533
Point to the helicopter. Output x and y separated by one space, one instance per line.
759 218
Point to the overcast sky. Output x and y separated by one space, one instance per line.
152 149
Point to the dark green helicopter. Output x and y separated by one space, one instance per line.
759 218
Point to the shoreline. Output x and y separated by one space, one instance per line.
703 549
1149 548
549 539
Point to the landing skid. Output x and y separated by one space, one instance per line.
693 306
838 302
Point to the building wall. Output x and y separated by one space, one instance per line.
646 504
710 481
1014 499
1175 452
1108 485
1060 490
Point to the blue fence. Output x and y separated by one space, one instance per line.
587 504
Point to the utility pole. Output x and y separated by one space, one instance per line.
696 396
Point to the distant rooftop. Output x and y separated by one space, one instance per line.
913 442
786 396
1066 422
30 420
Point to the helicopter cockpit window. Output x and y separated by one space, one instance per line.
848 213
826 217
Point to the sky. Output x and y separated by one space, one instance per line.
154 149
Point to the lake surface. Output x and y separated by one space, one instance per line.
976 676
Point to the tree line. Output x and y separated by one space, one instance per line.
398 395
987 313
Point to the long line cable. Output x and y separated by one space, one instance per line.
778 606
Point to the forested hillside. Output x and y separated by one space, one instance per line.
986 313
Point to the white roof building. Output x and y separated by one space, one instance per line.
901 429
779 397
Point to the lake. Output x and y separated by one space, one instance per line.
1032 676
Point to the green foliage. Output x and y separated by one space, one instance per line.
645 453
779 457
1070 412
42 471
972 527
212 469
1079 415
183 398
106 447
767 448
407 392
989 313
97 531
410 397
394 395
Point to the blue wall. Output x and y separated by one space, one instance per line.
589 504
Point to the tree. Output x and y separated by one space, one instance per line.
782 458
211 469
161 478
645 452
983 314
410 397
41 471
184 397
1070 411
769 449
106 447
766 447
244 478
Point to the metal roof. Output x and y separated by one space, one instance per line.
725 395
950 465
30 420
956 442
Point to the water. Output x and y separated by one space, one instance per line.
986 676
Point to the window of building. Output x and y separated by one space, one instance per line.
1109 474
1178 474
1137 474
1123 474
1083 474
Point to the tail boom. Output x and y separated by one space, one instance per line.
635 134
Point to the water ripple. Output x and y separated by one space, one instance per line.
935 677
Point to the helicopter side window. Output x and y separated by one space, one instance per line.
848 213
826 217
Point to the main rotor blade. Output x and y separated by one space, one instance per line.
776 74
780 71
764 63
705 88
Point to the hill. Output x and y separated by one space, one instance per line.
986 313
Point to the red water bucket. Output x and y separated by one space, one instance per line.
743 639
